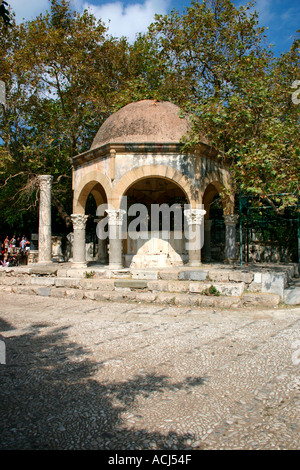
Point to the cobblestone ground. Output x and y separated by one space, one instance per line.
87 375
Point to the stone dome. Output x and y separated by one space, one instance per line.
146 121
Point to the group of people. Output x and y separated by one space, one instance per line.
14 250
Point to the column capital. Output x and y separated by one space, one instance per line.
45 181
115 216
194 216
79 221
231 219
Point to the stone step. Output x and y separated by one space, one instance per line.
206 281
165 298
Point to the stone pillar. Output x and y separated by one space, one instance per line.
194 219
44 241
207 240
230 238
102 251
79 252
115 219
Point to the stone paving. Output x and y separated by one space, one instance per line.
86 375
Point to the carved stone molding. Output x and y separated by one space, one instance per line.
115 216
231 219
45 182
194 216
79 221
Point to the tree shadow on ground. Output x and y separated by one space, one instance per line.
52 400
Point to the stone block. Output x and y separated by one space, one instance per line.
131 283
145 297
112 296
197 275
159 286
74 294
165 298
95 295
168 275
186 300
219 302
61 272
67 282
131 296
178 286
204 301
12 281
43 270
241 276
98 283
258 299
58 292
151 275
23 290
273 283
254 287
79 273
257 278
42 281
218 275
44 291
120 273
232 289
292 296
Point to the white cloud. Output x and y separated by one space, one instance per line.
28 9
127 20
122 18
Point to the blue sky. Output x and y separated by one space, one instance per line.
128 17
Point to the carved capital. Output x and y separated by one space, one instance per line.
231 219
45 182
115 216
194 216
79 221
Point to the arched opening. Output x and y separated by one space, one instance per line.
155 224
214 227
91 198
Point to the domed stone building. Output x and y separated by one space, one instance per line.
137 157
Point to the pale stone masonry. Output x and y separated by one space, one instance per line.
79 223
138 154
45 184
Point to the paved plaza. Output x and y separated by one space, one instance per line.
81 374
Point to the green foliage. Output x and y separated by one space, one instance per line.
4 13
65 75
89 274
211 291
237 93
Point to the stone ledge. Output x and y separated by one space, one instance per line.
226 289
164 298
260 299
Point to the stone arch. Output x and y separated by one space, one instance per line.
155 171
95 183
217 183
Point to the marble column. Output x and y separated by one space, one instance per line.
207 240
79 251
44 241
102 257
195 218
230 237
115 219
